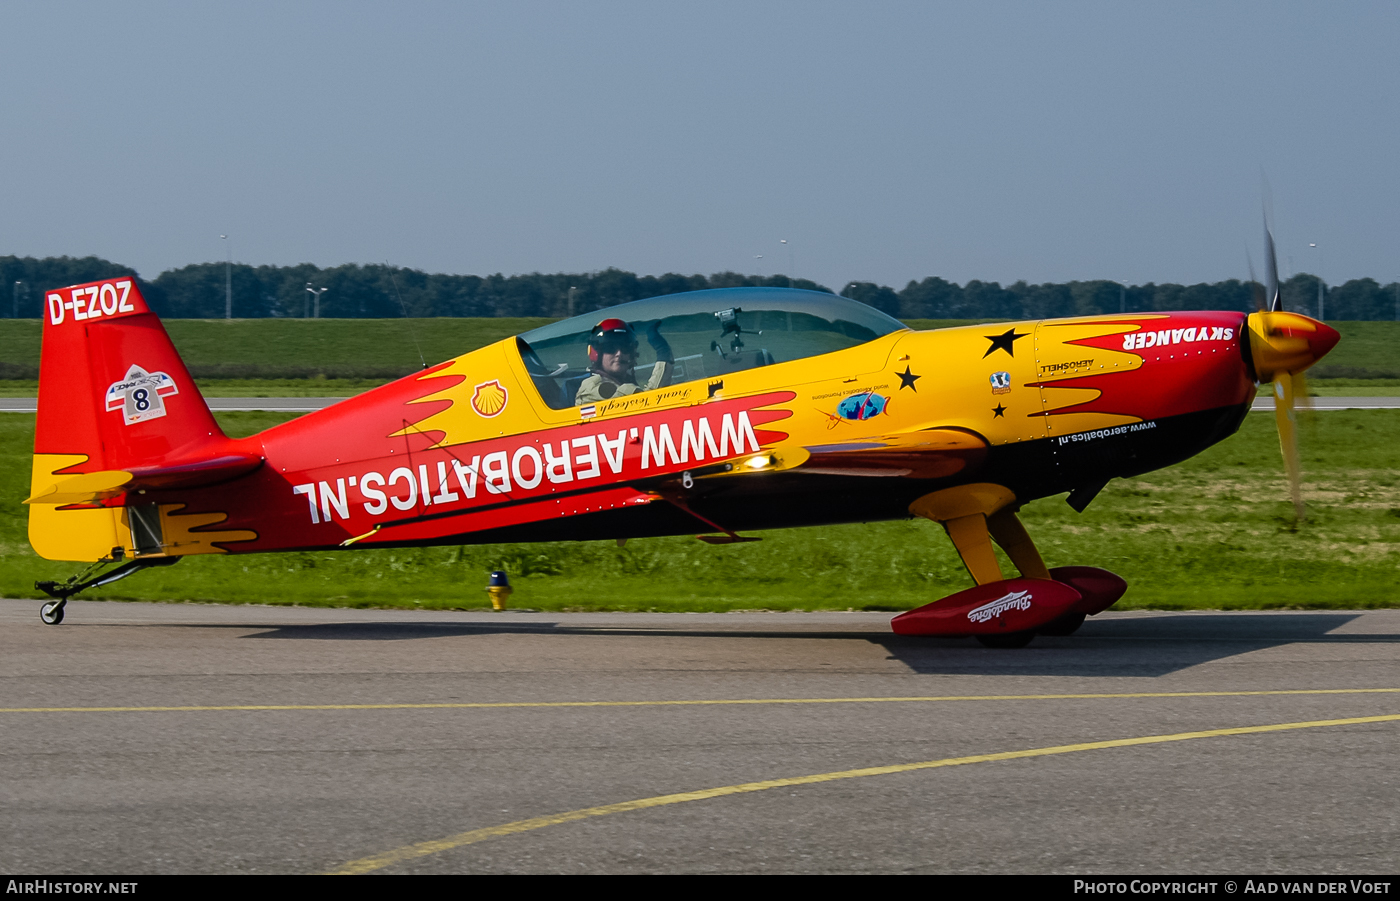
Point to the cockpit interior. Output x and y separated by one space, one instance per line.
710 333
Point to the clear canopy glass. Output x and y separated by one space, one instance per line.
710 333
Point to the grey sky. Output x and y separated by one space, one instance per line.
885 141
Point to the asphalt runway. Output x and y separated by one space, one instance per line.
311 741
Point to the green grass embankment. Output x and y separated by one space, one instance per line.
1214 532
289 348
338 357
329 343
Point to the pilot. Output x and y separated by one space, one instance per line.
612 358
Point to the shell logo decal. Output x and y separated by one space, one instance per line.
489 398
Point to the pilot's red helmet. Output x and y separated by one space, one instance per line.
609 336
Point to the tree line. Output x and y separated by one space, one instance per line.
351 291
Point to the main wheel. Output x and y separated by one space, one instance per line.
1006 639
1064 625
52 612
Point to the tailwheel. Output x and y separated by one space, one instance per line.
1006 639
1063 625
52 611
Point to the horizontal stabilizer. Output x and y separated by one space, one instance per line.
90 487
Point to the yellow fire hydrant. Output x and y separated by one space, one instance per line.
499 589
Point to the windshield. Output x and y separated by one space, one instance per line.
691 336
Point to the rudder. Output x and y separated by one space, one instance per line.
115 400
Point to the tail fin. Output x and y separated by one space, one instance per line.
111 385
118 414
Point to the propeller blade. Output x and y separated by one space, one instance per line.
1302 397
1275 299
1257 288
1287 421
1282 345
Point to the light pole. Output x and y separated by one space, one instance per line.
1321 266
15 312
758 265
848 287
316 293
792 266
572 291
228 278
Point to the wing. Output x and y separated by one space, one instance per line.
926 454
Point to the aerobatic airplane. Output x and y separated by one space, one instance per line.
748 409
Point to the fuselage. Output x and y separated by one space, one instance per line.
470 452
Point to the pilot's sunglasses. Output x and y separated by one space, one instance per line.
614 345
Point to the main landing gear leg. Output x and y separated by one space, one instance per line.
965 513
52 611
1001 612
1008 531
974 515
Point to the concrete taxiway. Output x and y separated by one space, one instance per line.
158 738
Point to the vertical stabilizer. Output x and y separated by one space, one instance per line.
113 396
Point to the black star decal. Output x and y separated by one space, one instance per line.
998 412
907 380
1006 342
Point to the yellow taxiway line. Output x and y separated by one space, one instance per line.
462 839
714 702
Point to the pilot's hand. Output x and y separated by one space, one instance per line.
658 343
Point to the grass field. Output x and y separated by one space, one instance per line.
1374 346
308 342
1214 532
339 357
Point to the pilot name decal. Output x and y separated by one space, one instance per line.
139 395
1016 600
1164 337
631 403
535 465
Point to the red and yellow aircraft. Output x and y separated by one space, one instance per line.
776 408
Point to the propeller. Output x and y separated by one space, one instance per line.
1282 346
1285 416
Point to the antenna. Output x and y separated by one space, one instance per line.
404 309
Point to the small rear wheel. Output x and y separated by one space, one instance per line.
1006 639
52 612
1063 625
